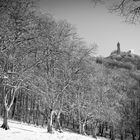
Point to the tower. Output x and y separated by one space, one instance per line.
118 48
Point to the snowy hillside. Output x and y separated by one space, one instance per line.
28 132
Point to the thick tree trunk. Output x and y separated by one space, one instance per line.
57 121
7 108
5 119
82 128
50 127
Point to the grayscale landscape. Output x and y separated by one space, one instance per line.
70 69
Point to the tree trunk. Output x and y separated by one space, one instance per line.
50 124
133 134
80 122
14 108
67 121
112 137
125 134
102 129
50 127
93 133
106 126
80 127
99 131
73 125
121 136
139 137
6 111
133 137
26 108
83 128
58 126
5 119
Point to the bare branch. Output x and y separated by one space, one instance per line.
130 9
13 97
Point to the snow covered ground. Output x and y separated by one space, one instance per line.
21 131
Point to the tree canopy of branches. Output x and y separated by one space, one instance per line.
129 9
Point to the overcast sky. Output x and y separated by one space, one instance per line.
96 24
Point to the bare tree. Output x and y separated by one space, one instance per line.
17 28
130 9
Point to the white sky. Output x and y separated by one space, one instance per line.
96 24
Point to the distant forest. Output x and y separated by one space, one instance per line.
50 77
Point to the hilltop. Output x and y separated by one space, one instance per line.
120 59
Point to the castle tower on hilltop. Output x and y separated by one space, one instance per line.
118 48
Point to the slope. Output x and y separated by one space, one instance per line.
29 132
